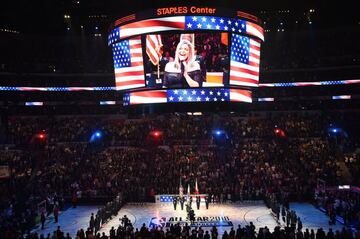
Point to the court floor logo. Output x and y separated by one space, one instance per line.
157 222
222 221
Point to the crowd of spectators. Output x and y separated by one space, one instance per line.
343 203
352 161
251 162
175 129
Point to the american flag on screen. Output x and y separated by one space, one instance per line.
215 23
34 103
341 97
166 198
198 95
245 61
152 25
128 64
237 95
153 48
169 198
191 23
188 95
145 97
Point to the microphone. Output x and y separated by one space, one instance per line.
182 67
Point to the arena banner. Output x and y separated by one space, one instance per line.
187 95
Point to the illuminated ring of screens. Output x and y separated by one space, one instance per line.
186 23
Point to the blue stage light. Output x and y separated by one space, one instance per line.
334 130
96 136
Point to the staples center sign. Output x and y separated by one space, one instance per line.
185 10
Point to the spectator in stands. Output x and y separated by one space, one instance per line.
42 219
56 213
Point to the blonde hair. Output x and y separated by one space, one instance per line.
191 57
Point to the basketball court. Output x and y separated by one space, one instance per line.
223 216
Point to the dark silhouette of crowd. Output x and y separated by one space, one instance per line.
249 231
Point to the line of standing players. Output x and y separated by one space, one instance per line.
181 200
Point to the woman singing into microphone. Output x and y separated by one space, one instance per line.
184 71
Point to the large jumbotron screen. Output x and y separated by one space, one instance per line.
186 58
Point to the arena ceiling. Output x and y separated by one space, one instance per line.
42 15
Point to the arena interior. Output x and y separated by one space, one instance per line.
179 119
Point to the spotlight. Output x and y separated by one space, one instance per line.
41 135
155 134
38 140
334 130
219 132
96 136
279 132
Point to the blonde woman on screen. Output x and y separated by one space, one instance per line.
184 71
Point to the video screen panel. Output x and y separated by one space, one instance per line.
128 64
245 61
187 95
187 60
222 51
186 23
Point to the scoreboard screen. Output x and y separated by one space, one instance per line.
186 49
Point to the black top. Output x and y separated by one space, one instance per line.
173 79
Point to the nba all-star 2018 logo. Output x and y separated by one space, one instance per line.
222 221
157 222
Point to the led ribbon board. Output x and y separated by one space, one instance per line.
186 23
187 95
